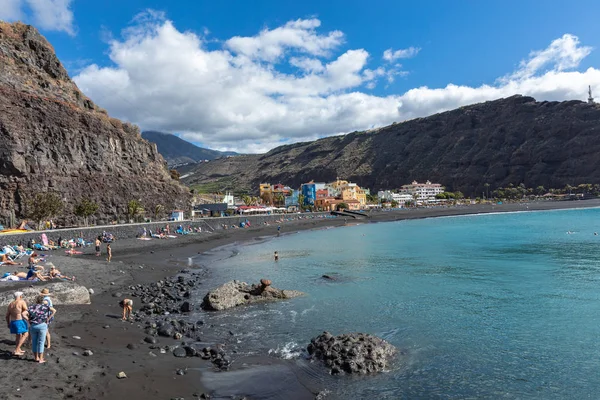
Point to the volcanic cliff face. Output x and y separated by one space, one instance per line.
513 140
53 138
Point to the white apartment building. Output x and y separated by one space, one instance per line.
388 195
424 191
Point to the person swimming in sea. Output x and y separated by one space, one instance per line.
276 256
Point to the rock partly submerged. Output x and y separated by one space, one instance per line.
236 293
62 293
352 353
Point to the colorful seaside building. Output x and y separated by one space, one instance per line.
309 191
347 191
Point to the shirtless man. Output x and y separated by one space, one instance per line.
15 322
127 305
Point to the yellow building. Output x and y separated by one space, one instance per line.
351 191
264 188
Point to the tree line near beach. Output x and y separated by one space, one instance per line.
45 206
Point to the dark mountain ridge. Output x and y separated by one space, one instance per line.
178 151
512 140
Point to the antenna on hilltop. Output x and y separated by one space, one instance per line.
590 98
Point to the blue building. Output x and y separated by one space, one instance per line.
309 191
292 198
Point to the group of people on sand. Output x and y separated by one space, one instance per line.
31 322
97 244
36 272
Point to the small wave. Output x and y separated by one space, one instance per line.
288 351
304 312
294 314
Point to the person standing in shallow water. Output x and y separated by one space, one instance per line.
276 256
108 252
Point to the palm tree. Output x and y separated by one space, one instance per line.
134 209
158 209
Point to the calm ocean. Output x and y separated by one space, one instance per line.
484 306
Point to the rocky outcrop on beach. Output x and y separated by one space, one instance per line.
236 293
53 138
62 293
353 353
167 296
512 140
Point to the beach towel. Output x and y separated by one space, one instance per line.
73 252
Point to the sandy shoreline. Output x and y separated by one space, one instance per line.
67 375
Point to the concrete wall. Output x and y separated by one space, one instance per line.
127 231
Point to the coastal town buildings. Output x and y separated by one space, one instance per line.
422 192
389 196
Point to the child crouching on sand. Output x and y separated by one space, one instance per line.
127 306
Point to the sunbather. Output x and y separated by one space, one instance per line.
5 260
54 273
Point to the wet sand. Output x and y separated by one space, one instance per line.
67 375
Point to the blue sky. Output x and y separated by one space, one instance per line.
303 70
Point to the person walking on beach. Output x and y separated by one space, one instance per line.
127 306
39 317
108 252
16 323
48 301
98 242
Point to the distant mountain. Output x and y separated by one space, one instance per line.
179 151
513 140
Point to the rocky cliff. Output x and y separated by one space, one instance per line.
54 138
513 140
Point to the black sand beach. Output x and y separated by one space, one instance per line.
153 376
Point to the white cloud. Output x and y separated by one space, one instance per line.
391 55
10 10
299 35
562 54
243 98
53 15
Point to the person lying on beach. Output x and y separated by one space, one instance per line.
15 276
127 305
16 323
54 273
5 260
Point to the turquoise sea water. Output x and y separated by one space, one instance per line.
484 306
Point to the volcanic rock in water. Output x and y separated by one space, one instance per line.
54 138
353 353
235 293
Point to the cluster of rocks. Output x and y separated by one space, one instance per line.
169 296
174 328
353 353
236 293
